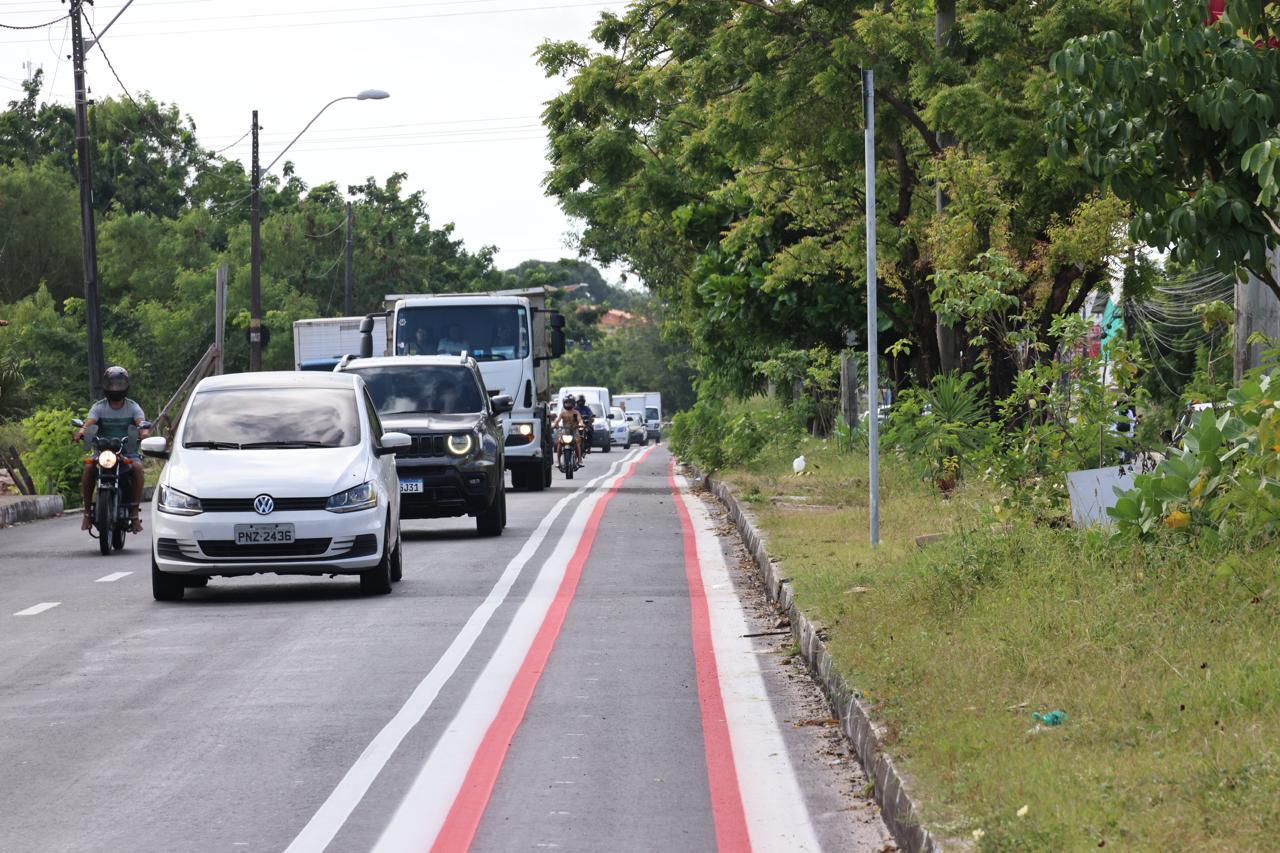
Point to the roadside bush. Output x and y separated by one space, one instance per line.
940 428
1224 478
52 455
714 436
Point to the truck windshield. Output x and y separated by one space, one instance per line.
485 332
442 389
651 413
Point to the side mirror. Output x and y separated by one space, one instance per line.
556 320
391 441
156 446
77 422
557 342
502 404
366 337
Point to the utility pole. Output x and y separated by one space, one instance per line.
88 235
873 329
347 282
255 258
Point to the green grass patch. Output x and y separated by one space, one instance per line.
1165 656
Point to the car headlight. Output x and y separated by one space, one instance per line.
363 496
174 502
460 445
107 459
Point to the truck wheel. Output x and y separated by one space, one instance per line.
518 479
546 474
164 586
608 445
489 521
539 477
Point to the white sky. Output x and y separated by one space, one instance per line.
462 119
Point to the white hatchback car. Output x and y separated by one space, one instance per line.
288 473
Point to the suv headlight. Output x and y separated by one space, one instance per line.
460 445
174 502
363 496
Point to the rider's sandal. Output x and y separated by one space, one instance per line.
135 517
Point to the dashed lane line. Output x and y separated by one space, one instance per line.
113 577
36 609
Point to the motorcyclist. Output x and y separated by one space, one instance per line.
588 418
114 415
569 420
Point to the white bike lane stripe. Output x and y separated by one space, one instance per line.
37 609
426 808
776 815
333 813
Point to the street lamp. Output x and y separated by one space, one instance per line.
255 211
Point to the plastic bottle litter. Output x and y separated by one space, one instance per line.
1050 718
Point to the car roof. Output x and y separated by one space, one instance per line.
277 379
407 361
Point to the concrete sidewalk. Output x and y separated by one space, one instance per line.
15 509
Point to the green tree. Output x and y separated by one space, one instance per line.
1181 122
39 232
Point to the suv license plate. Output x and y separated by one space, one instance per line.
411 487
263 534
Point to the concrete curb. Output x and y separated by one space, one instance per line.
856 724
15 509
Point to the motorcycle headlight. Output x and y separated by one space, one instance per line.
175 502
460 445
363 496
566 439
107 459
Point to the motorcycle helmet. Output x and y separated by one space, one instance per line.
115 383
569 402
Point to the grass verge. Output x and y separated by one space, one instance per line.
1165 656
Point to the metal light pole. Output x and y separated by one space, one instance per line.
873 342
255 217
88 234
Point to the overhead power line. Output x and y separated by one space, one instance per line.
56 20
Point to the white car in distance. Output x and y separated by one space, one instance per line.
619 432
283 472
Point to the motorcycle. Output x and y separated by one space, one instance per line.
109 510
568 455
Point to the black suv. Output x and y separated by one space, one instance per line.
454 466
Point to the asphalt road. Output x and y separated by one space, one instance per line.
580 683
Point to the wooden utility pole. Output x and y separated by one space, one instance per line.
88 234
347 283
220 320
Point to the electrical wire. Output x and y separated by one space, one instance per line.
160 133
234 144
62 17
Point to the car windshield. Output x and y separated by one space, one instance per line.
240 418
416 389
485 332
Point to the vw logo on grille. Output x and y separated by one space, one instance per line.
263 504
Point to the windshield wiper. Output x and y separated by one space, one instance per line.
214 445
285 443
411 412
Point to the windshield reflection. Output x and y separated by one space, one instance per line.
417 389
272 417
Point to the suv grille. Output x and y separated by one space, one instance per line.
423 445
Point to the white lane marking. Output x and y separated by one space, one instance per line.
777 818
36 609
113 577
424 808
334 811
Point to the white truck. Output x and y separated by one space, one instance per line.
649 404
512 336
319 344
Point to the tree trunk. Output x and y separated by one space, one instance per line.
944 22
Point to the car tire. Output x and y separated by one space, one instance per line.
164 586
489 520
397 559
377 581
196 581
